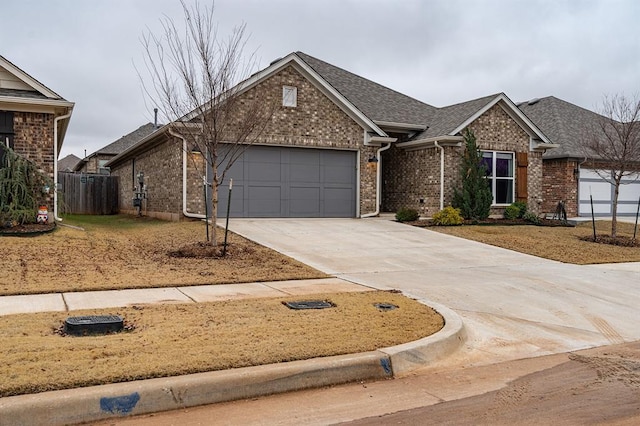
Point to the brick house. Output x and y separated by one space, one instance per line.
33 122
569 174
95 162
340 145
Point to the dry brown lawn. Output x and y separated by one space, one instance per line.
116 252
188 338
556 243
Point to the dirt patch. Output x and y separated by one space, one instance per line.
168 340
28 229
590 388
617 241
117 252
203 250
564 244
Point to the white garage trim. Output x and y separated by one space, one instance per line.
593 185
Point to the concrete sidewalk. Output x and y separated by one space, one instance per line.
171 393
61 302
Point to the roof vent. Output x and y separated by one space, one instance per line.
533 101
275 60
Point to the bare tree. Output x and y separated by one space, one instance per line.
613 149
197 80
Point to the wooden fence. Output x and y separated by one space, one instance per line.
88 193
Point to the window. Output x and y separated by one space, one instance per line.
500 173
6 128
289 96
6 133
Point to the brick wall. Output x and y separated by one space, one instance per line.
495 130
314 122
560 184
33 139
162 168
411 176
196 169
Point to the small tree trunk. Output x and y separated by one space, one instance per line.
214 212
214 198
614 210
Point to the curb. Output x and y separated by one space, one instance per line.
96 403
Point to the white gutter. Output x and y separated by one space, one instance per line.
430 142
184 177
441 174
403 126
55 165
378 182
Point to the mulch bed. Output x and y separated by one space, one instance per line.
204 250
617 241
496 222
28 229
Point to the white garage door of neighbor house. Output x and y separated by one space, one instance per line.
592 184
273 181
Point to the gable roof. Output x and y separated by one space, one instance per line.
445 120
565 123
128 140
21 92
448 122
30 84
378 102
313 76
68 163
122 144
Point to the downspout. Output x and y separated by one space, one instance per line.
55 165
378 182
441 174
184 177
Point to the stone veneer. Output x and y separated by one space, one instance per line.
412 178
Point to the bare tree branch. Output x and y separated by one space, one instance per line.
613 149
195 77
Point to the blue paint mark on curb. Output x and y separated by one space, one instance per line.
120 404
386 365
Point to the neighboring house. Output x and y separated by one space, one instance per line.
95 162
33 122
340 145
68 163
569 175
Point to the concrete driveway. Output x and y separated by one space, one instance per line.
513 305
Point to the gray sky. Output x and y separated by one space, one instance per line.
438 51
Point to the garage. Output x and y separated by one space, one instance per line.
593 185
273 181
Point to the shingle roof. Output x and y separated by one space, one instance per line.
68 163
31 94
376 101
564 123
127 140
35 80
445 120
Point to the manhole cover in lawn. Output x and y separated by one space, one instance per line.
309 304
385 306
93 324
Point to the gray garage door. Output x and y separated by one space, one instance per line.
291 182
593 185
